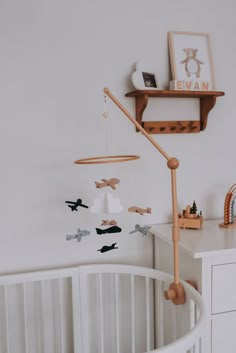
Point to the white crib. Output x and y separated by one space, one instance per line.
97 309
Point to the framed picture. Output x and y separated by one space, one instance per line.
144 80
149 80
191 61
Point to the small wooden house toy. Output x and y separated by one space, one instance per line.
190 218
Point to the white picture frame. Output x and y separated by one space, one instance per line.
191 60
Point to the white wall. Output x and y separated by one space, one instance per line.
56 57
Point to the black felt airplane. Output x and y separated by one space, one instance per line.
75 204
106 248
113 229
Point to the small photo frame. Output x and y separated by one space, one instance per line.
149 80
191 60
144 80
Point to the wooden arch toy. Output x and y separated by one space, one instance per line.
229 208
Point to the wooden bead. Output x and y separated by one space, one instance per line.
105 114
173 163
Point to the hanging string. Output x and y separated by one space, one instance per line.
106 115
108 158
105 112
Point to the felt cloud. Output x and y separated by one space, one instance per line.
106 203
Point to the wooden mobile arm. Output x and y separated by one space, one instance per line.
176 291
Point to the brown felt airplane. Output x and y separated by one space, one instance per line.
111 182
105 222
140 210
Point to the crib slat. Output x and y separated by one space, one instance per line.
174 323
200 345
148 313
60 316
77 283
192 319
43 314
101 313
159 313
132 314
197 347
117 313
25 320
196 317
7 319
192 313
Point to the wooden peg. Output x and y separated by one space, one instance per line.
192 283
176 293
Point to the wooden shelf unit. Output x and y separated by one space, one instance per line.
207 102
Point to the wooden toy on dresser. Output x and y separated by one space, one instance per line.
190 219
229 221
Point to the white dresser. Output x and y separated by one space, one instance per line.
207 256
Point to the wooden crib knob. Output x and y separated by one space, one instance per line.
176 293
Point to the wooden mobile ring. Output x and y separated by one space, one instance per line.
107 159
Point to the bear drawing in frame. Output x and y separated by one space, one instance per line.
191 63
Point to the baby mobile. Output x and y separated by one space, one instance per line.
106 203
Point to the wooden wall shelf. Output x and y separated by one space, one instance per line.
207 102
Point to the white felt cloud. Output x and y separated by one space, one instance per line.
106 203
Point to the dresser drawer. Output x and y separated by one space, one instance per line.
223 288
223 334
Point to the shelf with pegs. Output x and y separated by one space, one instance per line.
207 102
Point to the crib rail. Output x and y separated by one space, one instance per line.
97 309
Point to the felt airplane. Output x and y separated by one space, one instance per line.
113 229
105 222
106 248
79 235
144 230
111 182
74 205
140 210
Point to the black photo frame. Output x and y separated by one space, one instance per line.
149 80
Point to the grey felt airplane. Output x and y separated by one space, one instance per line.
79 235
144 230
